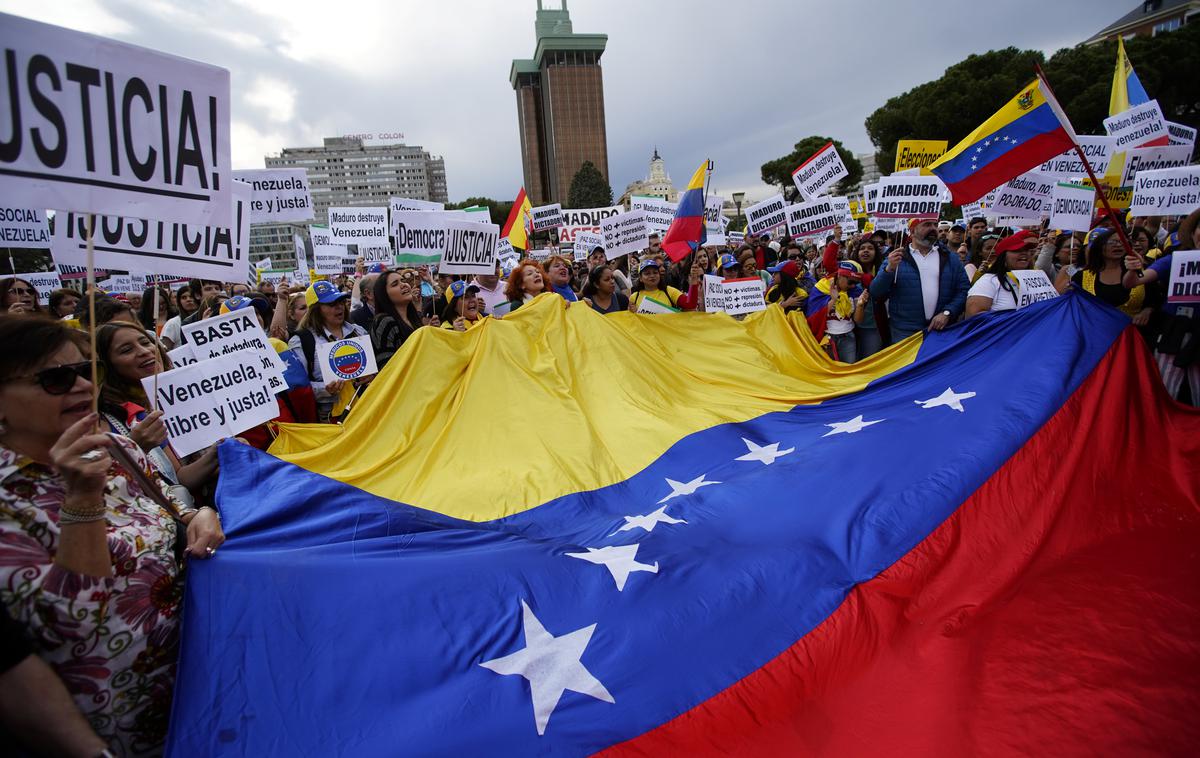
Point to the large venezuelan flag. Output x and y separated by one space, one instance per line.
1029 129
700 537
687 231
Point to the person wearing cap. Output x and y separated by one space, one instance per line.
462 312
956 240
997 289
924 284
558 274
788 290
837 304
649 285
326 320
729 267
1103 277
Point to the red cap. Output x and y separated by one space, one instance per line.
1016 241
791 268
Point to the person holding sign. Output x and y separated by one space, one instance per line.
18 296
600 291
91 568
648 286
1102 277
997 289
326 320
924 284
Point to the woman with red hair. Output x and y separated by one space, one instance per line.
527 281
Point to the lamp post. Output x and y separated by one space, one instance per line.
738 197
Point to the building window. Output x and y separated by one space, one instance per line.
1169 25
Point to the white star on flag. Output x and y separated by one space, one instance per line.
552 665
765 453
648 521
855 424
618 559
685 488
949 398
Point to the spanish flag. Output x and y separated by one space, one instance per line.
516 228
1030 129
516 547
686 232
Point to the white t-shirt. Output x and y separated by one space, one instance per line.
989 286
929 267
173 330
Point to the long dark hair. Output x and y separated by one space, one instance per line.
146 311
857 255
1095 250
8 283
590 288
116 389
385 307
787 287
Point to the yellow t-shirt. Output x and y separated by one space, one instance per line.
670 297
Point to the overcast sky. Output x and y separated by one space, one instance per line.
737 82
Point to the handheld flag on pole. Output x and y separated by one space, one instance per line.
516 228
1029 129
1127 89
686 233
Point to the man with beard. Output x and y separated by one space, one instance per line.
925 285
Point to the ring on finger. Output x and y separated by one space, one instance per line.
91 455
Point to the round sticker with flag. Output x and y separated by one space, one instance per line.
348 359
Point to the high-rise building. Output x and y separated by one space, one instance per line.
345 172
560 106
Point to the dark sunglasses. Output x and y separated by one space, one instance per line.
58 380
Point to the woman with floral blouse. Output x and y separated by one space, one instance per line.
88 559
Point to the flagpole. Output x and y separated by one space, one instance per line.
1120 228
91 293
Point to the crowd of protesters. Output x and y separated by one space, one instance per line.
97 513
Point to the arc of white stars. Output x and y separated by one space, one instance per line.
678 489
764 453
551 665
649 521
852 426
949 398
620 560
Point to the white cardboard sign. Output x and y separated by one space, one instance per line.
659 213
813 217
280 194
372 255
212 399
714 294
1184 286
23 227
586 242
1098 149
1140 159
301 252
110 128
348 359
577 220
420 235
1033 287
1166 192
406 204
819 172
44 282
744 295
470 248
715 222
547 217
625 233
1136 126
161 247
909 197
237 332
767 215
1073 206
359 226
1025 197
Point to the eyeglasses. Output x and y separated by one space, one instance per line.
58 380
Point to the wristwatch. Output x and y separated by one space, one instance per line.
946 314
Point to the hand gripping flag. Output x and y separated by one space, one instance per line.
687 233
953 547
1030 129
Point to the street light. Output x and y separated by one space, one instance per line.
738 197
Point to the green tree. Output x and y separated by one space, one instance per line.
779 171
970 91
588 188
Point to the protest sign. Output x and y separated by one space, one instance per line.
237 332
812 217
320 235
547 217
841 205
714 294
650 305
1182 134
735 239
420 235
1137 126
470 248
359 226
276 276
625 233
1033 286
586 242
820 171
348 359
327 259
1166 192
972 210
919 153
767 215
43 282
181 356
406 204
505 252
117 283
1152 159
301 252
744 295
132 244
870 195
715 222
1098 149
23 227
104 127
577 220
1185 277
659 213
210 400
68 273
279 194
909 197
263 265
1025 197
372 255
1073 205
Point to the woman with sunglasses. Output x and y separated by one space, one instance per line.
18 296
89 540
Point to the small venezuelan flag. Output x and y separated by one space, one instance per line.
687 232
1027 131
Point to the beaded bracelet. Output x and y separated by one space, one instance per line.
67 516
